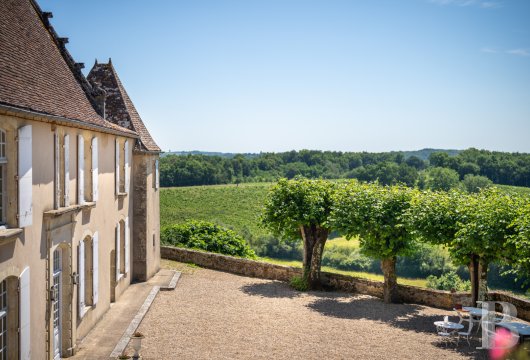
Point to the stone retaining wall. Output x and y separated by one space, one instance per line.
264 270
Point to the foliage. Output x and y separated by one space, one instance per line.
388 168
448 281
375 213
299 283
206 236
519 243
485 226
301 207
291 204
475 183
440 178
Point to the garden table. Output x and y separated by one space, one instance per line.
449 325
518 328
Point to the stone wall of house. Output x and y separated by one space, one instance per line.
264 270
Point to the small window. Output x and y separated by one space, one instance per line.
89 270
3 177
121 260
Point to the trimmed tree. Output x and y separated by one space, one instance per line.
301 208
474 227
376 214
486 229
519 242
436 217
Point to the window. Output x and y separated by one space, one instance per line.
62 170
122 248
3 320
3 176
122 171
88 273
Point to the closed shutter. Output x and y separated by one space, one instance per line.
81 284
25 177
66 148
25 310
95 170
127 166
80 169
95 268
157 175
127 244
117 252
117 170
57 168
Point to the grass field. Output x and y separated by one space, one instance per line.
516 189
235 207
359 274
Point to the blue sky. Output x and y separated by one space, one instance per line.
276 75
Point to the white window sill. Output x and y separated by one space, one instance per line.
7 235
71 208
121 194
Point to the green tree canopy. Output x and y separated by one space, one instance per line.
376 214
301 208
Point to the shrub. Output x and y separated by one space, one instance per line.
448 281
299 283
474 183
206 236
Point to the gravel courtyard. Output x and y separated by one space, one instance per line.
216 315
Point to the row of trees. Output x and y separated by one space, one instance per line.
387 168
390 221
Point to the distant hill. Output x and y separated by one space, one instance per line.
209 153
425 153
422 154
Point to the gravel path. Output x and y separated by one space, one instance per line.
216 315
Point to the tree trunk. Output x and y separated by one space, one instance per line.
483 281
314 240
473 276
390 288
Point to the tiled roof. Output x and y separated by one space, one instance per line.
118 106
36 71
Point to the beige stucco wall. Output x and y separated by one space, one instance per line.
37 242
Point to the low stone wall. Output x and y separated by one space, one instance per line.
264 270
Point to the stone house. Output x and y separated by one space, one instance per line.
79 190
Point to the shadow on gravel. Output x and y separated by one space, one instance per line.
272 289
404 316
279 289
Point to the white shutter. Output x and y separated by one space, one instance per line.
81 283
117 252
95 170
127 244
117 170
80 169
24 311
66 148
57 168
157 175
25 176
95 268
126 164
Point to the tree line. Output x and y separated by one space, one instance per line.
478 229
439 171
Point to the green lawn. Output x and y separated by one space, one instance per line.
359 274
